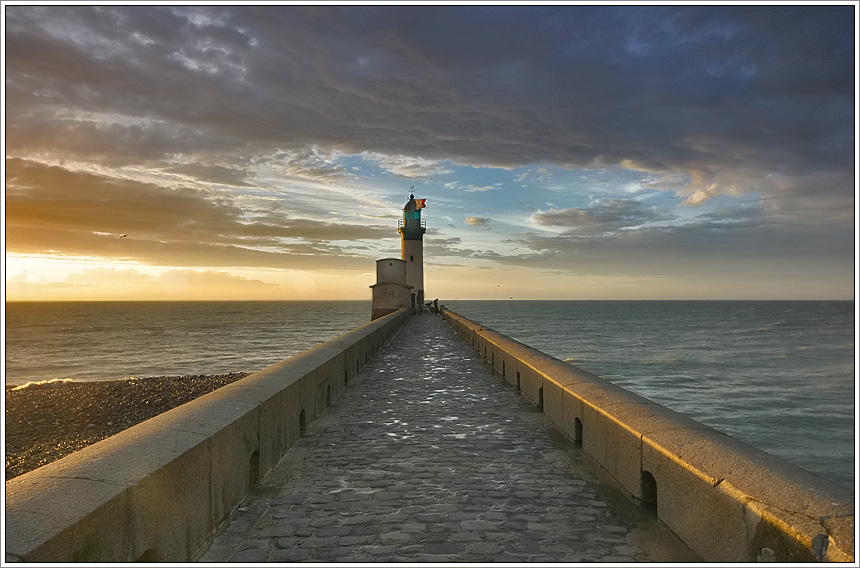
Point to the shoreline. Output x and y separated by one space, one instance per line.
47 421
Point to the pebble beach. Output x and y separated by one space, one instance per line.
47 421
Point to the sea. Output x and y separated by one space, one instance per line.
780 375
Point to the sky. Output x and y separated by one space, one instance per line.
237 152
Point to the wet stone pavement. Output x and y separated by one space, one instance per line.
425 458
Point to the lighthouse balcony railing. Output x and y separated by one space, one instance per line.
411 223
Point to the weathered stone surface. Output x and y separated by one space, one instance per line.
428 458
250 555
290 555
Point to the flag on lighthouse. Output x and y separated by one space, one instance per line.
419 203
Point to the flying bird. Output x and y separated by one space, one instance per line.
123 236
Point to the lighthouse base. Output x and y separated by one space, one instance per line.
416 302
389 297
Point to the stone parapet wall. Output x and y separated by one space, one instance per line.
159 490
727 501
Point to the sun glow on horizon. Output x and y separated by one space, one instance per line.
44 278
48 278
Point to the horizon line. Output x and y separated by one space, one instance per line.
459 300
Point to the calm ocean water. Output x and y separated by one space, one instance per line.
778 375
97 341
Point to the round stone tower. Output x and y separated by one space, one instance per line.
412 229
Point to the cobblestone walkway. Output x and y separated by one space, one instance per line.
428 459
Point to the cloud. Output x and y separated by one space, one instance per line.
117 284
469 188
722 241
727 94
608 216
54 209
443 250
267 136
108 277
25 277
408 166
477 221
313 163
214 284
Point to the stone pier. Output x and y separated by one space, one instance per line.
427 457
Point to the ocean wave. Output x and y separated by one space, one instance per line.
663 359
42 383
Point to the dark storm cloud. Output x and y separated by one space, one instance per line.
734 95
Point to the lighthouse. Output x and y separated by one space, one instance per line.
412 228
400 281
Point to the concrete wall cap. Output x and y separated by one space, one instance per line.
841 533
511 346
127 457
131 455
293 365
647 418
256 392
753 472
563 374
604 395
277 377
319 355
38 508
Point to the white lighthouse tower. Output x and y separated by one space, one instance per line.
412 229
400 281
